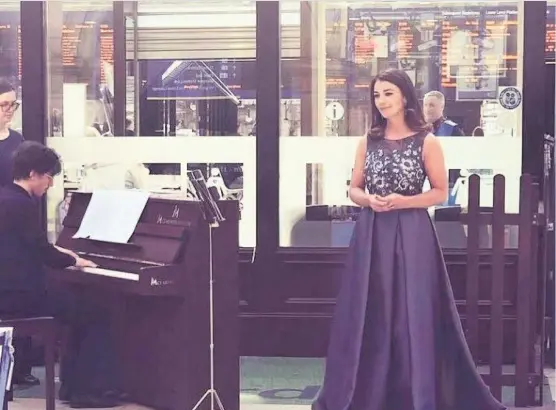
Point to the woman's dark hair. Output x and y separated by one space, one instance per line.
413 112
31 156
6 86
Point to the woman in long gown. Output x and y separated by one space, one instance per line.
397 341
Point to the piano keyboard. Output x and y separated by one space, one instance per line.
111 273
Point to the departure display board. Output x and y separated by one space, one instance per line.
477 44
10 47
405 39
70 41
551 33
470 49
550 40
367 36
86 41
106 48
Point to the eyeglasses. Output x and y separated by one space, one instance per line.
50 177
9 105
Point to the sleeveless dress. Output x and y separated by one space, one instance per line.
396 340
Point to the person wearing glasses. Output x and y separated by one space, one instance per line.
9 138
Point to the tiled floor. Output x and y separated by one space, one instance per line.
36 404
270 384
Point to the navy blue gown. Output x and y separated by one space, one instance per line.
396 341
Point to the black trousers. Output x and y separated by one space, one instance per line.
88 362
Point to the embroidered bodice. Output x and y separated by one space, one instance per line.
395 166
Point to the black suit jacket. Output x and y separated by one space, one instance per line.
24 246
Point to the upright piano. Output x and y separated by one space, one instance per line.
157 289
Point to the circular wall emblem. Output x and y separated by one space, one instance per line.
510 98
334 111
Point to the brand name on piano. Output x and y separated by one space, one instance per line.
167 221
160 282
172 220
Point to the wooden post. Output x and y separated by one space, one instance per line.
472 277
497 291
524 274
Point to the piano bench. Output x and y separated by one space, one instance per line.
45 328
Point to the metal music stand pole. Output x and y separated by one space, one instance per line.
213 217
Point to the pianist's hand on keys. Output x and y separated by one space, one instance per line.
85 263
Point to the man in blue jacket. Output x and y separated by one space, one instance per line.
433 108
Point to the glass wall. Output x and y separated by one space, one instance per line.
189 96
10 51
469 52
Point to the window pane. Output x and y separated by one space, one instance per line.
10 52
469 53
195 64
80 58
189 75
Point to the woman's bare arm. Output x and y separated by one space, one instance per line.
357 186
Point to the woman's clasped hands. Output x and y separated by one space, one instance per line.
386 203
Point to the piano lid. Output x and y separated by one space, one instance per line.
161 209
161 235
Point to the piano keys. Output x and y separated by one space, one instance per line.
157 286
108 273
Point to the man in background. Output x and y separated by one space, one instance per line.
433 108
9 138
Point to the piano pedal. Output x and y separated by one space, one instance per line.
93 402
116 395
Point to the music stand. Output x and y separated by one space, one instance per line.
213 216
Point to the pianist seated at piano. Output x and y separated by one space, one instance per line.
25 253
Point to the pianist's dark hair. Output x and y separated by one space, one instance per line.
33 156
6 86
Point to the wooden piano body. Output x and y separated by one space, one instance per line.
157 287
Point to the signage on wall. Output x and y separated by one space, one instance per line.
510 98
334 111
193 79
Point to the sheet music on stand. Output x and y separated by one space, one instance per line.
6 360
112 215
